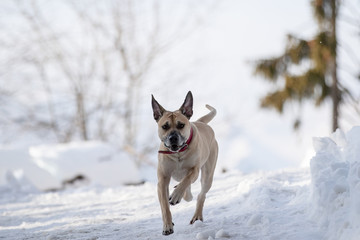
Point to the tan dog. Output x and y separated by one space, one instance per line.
186 147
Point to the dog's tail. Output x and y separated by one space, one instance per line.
208 117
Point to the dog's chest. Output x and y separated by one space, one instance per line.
179 174
180 171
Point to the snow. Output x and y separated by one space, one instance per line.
133 212
335 171
48 166
320 201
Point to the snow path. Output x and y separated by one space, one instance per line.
265 205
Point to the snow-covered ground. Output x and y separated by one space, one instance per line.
318 202
242 206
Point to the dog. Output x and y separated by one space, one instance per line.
185 149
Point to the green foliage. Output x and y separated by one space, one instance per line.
324 9
319 10
275 100
310 84
270 68
307 68
297 49
317 58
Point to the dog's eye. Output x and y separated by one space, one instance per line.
180 125
166 126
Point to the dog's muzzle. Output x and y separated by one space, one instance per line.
174 141
182 148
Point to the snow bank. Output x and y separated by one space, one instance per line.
48 166
335 172
100 162
16 185
17 167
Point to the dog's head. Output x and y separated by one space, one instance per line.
173 127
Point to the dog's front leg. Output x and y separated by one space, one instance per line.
163 194
179 191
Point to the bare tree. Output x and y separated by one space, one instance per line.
83 81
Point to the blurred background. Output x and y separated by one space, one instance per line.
76 79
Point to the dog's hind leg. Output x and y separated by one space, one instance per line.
183 186
207 174
188 196
205 186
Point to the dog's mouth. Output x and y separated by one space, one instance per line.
174 141
174 148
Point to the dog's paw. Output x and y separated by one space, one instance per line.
175 197
168 232
168 229
195 218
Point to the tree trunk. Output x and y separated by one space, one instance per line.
335 99
335 93
81 115
129 112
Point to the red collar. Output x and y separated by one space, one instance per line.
186 145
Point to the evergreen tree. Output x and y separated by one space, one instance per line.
320 80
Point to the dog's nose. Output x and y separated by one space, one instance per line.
173 138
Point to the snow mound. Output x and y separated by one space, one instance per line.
335 172
54 166
16 184
17 168
222 234
101 163
208 234
212 234
255 219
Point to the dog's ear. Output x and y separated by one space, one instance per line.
158 110
187 107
